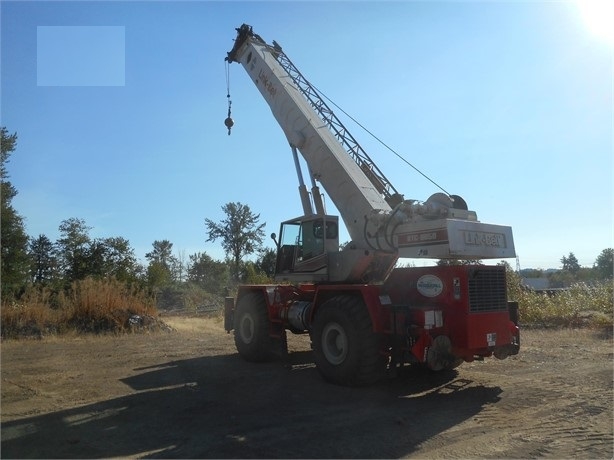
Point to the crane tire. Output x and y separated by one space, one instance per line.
346 349
251 328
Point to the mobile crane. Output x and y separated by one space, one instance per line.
364 317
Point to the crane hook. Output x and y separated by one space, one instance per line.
228 122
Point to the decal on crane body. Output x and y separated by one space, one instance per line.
429 285
496 240
268 85
423 238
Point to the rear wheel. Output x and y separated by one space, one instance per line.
251 326
346 349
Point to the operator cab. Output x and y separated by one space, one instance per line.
304 245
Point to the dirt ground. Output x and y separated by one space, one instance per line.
187 394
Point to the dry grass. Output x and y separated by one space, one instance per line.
108 305
582 305
87 306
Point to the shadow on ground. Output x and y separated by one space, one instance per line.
223 407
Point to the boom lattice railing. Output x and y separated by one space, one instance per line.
352 147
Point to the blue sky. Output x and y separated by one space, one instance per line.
119 108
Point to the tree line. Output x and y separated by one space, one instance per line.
572 272
27 261
75 255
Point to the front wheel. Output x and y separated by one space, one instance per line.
251 326
346 349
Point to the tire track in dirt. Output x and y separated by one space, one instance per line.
187 394
513 428
559 419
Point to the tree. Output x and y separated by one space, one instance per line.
179 266
209 274
44 260
118 259
253 275
162 253
240 232
158 275
80 256
121 259
14 260
96 257
604 265
9 142
74 249
570 263
161 262
267 259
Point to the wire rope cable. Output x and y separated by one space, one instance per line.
382 142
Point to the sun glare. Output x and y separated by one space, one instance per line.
598 15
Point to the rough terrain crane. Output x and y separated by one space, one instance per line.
364 316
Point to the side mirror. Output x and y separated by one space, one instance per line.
274 238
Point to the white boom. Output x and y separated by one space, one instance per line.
376 216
